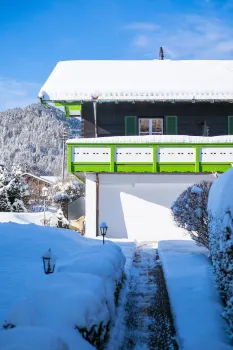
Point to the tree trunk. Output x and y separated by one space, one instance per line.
64 207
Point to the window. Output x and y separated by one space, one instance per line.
152 126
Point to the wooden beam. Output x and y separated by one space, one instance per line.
95 117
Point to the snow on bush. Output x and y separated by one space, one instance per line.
62 222
66 192
77 301
190 212
220 209
13 190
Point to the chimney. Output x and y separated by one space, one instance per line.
161 54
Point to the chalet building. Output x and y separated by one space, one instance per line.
36 184
149 128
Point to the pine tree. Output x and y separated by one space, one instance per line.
13 190
4 203
4 177
17 189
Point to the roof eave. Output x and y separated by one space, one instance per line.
159 100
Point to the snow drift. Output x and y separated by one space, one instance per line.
79 296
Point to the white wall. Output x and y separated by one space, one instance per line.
136 206
90 205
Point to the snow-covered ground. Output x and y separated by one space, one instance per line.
194 298
25 218
45 308
118 330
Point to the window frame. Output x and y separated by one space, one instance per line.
150 126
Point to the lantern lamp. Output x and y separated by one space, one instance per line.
103 229
49 262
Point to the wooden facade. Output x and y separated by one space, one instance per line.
190 117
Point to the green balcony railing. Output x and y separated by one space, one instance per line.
149 157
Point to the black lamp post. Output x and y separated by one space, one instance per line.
49 262
103 229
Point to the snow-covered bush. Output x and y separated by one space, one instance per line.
13 190
190 212
220 210
62 222
66 192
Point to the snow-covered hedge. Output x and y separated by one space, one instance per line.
220 209
78 299
190 212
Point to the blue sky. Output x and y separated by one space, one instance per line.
34 36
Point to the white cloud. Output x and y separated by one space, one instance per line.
187 37
141 26
15 93
141 41
225 46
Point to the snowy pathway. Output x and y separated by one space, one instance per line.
148 321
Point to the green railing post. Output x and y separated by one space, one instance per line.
112 159
155 168
197 163
69 159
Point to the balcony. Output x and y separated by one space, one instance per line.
151 154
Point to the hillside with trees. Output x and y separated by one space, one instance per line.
31 138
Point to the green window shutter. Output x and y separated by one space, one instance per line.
171 125
230 125
131 127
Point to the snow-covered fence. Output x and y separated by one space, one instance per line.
220 210
190 212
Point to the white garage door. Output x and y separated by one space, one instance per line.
137 206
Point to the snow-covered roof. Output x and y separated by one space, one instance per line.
48 179
157 80
51 179
153 139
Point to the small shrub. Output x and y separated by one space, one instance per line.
190 212
8 325
97 335
62 222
